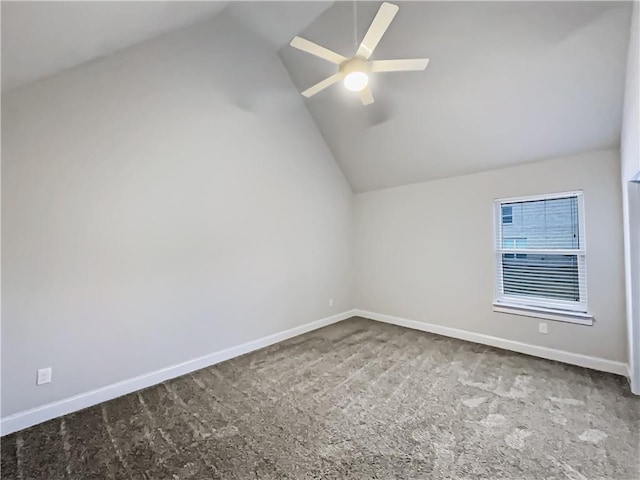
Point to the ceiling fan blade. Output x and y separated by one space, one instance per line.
327 82
379 25
399 65
366 96
315 49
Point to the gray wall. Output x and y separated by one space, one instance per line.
160 204
630 163
425 252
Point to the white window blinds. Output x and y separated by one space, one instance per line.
540 252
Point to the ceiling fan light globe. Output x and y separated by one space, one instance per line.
356 81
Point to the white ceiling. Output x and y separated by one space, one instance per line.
508 82
277 22
43 38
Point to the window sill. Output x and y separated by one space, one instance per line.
546 313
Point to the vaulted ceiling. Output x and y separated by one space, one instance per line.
508 82
42 38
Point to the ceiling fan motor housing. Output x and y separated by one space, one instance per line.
355 64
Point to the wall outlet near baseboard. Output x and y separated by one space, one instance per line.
44 376
331 302
542 327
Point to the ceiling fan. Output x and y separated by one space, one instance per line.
355 71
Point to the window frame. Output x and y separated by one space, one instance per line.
571 311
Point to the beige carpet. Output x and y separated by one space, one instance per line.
358 399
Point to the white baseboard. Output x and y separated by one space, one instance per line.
28 418
580 360
633 384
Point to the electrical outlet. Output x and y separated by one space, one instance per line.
542 327
44 376
331 302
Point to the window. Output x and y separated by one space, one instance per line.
507 215
540 253
513 243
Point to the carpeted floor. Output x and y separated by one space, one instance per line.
358 399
